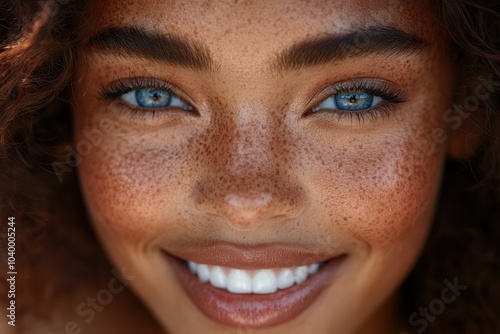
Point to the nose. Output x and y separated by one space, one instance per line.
247 183
247 201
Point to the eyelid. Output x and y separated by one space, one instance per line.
123 86
114 91
389 91
383 88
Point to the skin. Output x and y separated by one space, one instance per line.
252 168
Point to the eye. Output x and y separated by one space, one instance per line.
350 101
153 98
360 99
145 96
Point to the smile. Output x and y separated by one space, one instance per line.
253 287
261 281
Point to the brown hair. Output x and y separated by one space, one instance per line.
37 57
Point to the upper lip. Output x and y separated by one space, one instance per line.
252 257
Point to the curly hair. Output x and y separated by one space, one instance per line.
38 41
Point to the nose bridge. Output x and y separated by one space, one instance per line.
251 147
248 185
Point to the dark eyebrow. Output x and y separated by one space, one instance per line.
376 39
164 48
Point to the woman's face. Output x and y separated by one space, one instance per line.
296 133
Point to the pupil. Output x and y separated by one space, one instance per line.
354 101
149 98
156 96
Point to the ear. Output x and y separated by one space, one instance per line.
469 114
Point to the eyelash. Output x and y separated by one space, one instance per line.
121 87
390 95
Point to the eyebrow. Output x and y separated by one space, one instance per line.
387 40
176 50
164 48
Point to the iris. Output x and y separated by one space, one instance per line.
353 101
152 98
350 101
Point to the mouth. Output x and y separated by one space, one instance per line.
254 288
261 281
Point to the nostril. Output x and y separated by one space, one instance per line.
246 205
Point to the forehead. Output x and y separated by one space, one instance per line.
256 27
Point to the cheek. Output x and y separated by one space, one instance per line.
130 183
382 186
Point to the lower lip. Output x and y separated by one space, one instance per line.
254 310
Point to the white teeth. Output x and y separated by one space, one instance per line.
203 273
217 277
301 274
313 268
264 281
286 279
252 281
239 281
192 266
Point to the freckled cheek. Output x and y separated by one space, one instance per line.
382 191
132 188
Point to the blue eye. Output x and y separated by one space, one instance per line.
350 101
153 98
